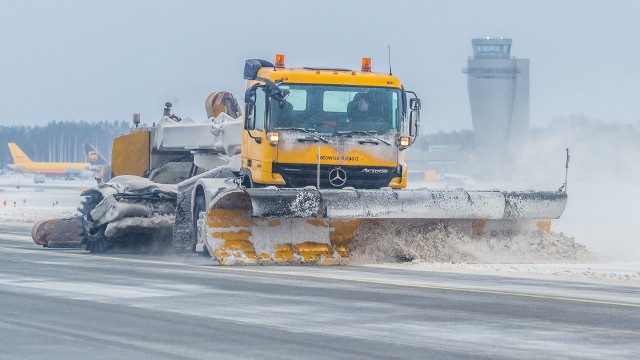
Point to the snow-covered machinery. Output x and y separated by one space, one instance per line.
318 154
128 213
136 209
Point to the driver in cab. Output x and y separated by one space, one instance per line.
359 108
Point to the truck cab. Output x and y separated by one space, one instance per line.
323 127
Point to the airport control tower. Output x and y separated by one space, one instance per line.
499 96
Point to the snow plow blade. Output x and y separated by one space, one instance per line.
310 226
58 233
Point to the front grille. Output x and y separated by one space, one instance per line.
359 177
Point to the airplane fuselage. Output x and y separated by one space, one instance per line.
51 169
22 163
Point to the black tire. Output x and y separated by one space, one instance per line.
94 240
198 206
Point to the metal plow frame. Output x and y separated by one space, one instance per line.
310 226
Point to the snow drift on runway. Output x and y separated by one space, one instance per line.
376 243
602 184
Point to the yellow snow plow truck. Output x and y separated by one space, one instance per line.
318 153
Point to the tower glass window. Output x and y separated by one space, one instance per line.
492 50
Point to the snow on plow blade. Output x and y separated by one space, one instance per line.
291 226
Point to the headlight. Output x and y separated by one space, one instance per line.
273 138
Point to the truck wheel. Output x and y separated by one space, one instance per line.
199 206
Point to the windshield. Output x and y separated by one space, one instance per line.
332 109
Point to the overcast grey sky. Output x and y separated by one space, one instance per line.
104 60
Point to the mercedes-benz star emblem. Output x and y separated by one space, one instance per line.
337 177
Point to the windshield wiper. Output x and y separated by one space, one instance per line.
312 132
369 133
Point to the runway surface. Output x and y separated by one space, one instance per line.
68 304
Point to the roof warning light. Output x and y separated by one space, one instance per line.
366 64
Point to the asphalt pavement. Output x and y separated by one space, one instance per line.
68 304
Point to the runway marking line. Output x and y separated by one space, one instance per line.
339 278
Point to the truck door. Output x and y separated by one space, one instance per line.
257 153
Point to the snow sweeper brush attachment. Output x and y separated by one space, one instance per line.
310 226
126 214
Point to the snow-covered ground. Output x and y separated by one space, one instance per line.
609 236
625 272
22 201
599 218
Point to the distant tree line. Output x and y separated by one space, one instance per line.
60 140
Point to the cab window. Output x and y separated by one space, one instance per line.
261 101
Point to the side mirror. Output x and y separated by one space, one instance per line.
250 110
414 115
249 116
415 104
414 123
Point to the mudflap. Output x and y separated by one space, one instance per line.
310 226
58 233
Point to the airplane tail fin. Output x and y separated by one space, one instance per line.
19 157
95 158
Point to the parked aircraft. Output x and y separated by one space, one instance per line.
22 163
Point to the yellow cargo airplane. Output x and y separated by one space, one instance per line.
22 163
